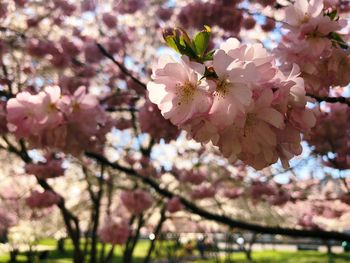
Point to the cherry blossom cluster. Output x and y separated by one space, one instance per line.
42 199
152 122
6 220
129 7
69 123
194 177
174 205
203 191
136 201
240 102
114 231
227 15
221 13
307 221
331 135
314 42
51 168
258 191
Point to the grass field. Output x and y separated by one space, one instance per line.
268 256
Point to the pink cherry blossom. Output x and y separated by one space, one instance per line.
29 114
136 201
109 20
260 190
258 135
345 198
114 231
256 112
203 191
69 47
303 11
330 135
42 199
174 205
309 43
48 113
48 119
88 5
7 219
21 114
153 123
178 91
307 221
249 23
201 130
232 95
91 52
50 169
233 193
281 198
3 9
193 177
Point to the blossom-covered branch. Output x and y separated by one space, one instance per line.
220 218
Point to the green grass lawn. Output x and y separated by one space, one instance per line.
238 257
270 256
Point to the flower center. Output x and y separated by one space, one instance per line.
186 92
222 87
249 124
305 19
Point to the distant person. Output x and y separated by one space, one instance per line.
189 247
201 246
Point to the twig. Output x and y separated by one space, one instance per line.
120 65
339 99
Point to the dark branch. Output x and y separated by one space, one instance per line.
221 218
340 99
120 65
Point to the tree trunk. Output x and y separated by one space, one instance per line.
156 234
60 245
129 249
78 257
13 256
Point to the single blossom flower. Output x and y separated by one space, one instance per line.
178 90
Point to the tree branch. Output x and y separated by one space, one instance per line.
339 99
120 66
189 206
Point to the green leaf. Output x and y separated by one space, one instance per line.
184 37
338 40
201 41
209 55
178 40
170 41
332 15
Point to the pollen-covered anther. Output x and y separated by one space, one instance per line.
186 92
222 87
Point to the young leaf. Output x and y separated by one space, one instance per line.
338 40
209 55
201 41
170 35
332 14
178 40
